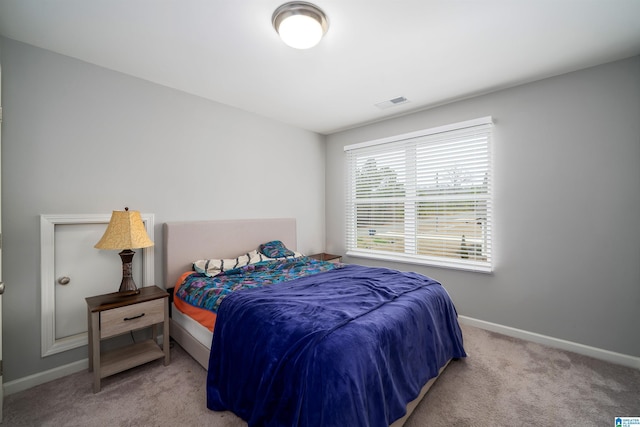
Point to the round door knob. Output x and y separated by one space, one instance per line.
64 280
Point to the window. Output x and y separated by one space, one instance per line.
423 197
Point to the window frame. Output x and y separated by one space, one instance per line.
404 142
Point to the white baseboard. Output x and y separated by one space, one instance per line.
46 376
597 353
53 374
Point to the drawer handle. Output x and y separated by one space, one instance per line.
134 317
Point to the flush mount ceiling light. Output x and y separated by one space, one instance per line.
300 25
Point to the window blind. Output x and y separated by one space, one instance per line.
424 197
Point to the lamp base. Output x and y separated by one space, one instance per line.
128 285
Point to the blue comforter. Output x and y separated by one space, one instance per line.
348 347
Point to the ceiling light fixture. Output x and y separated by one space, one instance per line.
300 25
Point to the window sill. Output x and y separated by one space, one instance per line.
478 267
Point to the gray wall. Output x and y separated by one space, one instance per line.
567 205
77 139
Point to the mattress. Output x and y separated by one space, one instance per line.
199 332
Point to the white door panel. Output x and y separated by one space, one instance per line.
67 252
89 271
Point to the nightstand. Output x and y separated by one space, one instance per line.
327 257
112 314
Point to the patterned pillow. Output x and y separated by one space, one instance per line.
275 249
211 267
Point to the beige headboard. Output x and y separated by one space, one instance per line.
188 241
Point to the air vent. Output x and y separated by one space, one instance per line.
392 102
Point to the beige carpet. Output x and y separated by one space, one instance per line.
503 382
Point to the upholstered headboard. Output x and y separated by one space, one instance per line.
188 241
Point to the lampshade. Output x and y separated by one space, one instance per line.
300 25
125 231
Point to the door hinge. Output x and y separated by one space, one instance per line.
1 369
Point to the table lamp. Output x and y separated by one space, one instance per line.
125 232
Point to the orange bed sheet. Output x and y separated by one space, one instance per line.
205 317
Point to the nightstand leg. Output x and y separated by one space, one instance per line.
94 350
165 333
90 341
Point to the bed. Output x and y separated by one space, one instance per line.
349 368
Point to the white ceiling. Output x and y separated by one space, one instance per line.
429 51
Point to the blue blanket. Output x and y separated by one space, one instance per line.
347 347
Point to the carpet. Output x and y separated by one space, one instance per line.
504 382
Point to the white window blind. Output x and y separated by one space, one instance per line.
423 197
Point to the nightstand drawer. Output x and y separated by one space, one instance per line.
130 317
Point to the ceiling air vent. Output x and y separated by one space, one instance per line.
392 102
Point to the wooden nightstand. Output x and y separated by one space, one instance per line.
112 314
327 257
